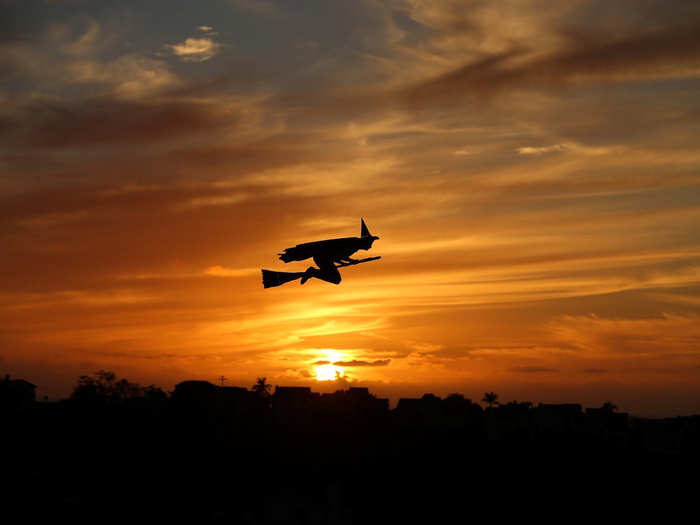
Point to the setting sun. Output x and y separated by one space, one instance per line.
328 372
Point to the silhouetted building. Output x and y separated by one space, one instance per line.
233 393
511 420
292 404
426 411
16 393
361 391
408 407
563 417
241 402
604 422
668 435
459 412
356 403
293 392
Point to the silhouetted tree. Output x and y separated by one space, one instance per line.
609 407
262 387
491 398
155 394
89 389
124 389
104 387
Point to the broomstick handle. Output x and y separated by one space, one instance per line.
368 259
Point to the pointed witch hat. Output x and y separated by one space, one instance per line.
365 231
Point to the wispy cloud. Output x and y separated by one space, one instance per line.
533 369
195 49
661 338
221 271
539 150
69 55
258 7
357 362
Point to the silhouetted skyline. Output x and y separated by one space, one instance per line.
211 453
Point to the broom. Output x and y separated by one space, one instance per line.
271 278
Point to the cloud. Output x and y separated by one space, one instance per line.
195 49
66 56
259 7
355 362
207 30
666 337
671 53
528 150
216 200
108 120
533 369
131 75
221 271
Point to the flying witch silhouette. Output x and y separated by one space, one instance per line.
329 255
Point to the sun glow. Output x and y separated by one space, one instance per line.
328 372
327 369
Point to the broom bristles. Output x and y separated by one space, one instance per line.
271 278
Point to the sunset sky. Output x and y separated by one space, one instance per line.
532 169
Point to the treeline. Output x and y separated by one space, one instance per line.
210 453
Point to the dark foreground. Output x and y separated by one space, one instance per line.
206 454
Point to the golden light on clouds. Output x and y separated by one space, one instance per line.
532 175
328 372
195 49
325 367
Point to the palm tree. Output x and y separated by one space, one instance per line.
491 398
262 387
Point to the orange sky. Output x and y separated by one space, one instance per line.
532 169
